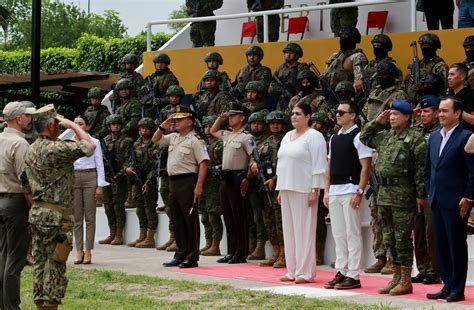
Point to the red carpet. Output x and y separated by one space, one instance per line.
370 284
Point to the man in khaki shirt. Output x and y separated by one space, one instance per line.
14 203
187 169
238 147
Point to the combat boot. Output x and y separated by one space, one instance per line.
118 240
252 245
167 243
214 250
48 306
404 286
388 268
173 247
377 266
259 252
130 203
396 278
109 238
149 241
207 246
280 262
39 304
275 253
140 238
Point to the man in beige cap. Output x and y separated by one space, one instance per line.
14 206
50 172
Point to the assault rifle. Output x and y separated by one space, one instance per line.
328 91
260 176
373 185
108 160
286 95
138 175
415 65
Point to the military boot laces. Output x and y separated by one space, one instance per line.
396 278
404 286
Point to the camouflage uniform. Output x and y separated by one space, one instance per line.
469 41
137 82
212 104
400 164
343 17
96 116
202 33
381 99
255 105
130 109
316 100
273 20
50 172
248 73
336 66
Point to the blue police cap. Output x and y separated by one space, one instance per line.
402 106
430 101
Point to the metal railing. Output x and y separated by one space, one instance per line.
275 12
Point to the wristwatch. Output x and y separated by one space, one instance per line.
360 192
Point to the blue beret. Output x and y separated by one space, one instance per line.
402 106
430 101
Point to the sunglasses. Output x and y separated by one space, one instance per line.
341 113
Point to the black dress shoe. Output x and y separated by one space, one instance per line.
453 297
225 259
439 295
418 278
431 278
237 260
188 264
173 263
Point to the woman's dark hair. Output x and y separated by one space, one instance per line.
86 120
306 108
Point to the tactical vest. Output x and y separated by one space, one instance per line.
335 71
380 99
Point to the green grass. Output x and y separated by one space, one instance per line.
93 289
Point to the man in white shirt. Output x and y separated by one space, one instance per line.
347 175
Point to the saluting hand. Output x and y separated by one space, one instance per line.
167 123
383 118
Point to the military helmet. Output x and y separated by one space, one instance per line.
130 59
276 116
306 74
114 119
28 104
95 92
388 67
383 39
254 50
257 86
352 32
123 83
147 122
293 47
162 57
468 41
344 86
431 39
322 118
212 74
214 56
208 120
256 117
175 90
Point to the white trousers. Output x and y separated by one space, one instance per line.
347 232
299 233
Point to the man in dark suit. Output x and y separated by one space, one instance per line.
449 181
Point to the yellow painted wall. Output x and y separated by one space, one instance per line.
188 64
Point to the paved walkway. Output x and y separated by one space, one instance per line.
148 262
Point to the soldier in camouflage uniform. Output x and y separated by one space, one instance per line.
156 85
387 90
213 60
381 44
212 101
96 113
348 64
257 232
430 63
309 93
468 45
175 94
273 20
202 33
430 84
255 97
115 147
423 232
400 163
209 204
129 108
343 17
144 190
254 71
50 172
130 62
287 74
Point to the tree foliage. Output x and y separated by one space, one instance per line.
180 13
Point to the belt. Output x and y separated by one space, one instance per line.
85 170
54 207
11 195
384 181
182 176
